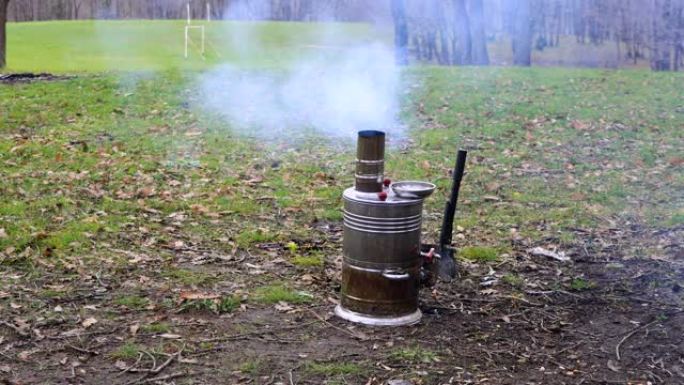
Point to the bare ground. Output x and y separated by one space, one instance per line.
624 326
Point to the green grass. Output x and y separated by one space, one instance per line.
479 254
581 284
46 203
279 293
251 367
513 280
414 355
308 261
186 277
132 302
156 328
134 45
127 351
332 369
217 306
247 238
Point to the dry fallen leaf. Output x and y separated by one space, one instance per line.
283 306
614 366
25 355
194 295
88 322
170 336
3 234
491 198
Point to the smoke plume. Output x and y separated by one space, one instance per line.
334 90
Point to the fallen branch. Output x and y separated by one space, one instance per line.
167 362
629 335
165 378
155 370
81 350
132 367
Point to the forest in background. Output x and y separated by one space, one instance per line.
445 32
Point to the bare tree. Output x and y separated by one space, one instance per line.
522 34
3 32
480 56
400 31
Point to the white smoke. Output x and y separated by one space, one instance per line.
335 90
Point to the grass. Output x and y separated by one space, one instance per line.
186 277
132 45
513 280
414 355
248 238
251 367
581 284
308 261
152 45
58 196
156 328
127 351
132 302
479 254
279 293
221 305
332 369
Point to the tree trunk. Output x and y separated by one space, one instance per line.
660 53
3 32
522 36
480 56
400 31
463 54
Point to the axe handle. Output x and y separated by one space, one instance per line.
450 209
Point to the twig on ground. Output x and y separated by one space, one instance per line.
132 367
165 378
155 369
630 334
167 362
16 329
154 360
337 327
249 334
82 350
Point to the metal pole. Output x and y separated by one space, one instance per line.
186 41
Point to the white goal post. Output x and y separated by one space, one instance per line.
189 26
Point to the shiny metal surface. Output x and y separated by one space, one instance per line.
408 319
381 269
413 189
370 161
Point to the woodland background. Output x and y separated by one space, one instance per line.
445 32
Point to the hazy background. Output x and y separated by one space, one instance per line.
586 33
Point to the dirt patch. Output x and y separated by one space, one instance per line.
30 78
599 319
